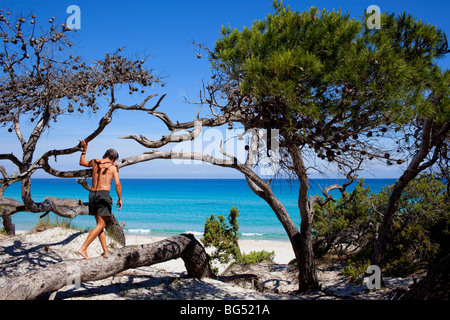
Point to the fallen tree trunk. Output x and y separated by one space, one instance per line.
54 277
115 230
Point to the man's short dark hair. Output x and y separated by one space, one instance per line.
112 154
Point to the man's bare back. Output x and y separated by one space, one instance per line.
103 171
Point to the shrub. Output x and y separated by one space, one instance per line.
354 270
221 236
344 225
224 237
256 257
423 216
420 224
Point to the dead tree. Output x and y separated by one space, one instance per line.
54 277
40 80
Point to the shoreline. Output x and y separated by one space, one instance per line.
250 236
242 236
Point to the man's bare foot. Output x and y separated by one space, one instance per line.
105 255
83 253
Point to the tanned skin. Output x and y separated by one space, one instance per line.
103 171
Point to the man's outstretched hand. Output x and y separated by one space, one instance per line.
83 145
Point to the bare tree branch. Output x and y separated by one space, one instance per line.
12 158
168 139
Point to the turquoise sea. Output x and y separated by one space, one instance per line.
164 207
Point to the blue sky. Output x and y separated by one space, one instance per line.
163 30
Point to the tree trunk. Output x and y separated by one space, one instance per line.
414 168
292 232
115 230
54 277
10 227
388 219
307 269
264 191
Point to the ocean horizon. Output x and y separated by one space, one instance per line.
165 207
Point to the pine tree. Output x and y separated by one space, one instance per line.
333 88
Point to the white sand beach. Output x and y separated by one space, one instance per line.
29 251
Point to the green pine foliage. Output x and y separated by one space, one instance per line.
298 57
329 80
222 236
422 221
345 225
256 257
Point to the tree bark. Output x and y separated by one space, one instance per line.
10 227
115 230
54 277
307 269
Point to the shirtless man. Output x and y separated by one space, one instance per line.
100 202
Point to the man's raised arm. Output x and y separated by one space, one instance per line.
83 161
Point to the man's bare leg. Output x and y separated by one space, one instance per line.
92 235
102 238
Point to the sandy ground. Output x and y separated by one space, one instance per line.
277 280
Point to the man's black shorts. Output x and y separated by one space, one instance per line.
100 203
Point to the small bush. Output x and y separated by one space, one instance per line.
224 238
221 236
256 257
354 270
